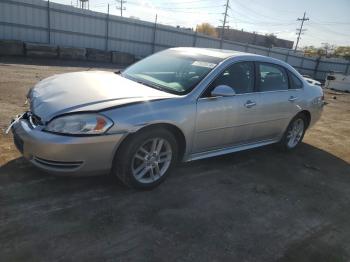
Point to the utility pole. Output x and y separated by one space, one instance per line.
121 6
107 28
154 34
227 6
300 29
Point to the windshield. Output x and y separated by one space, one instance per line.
172 70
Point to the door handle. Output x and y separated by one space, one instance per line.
292 98
249 104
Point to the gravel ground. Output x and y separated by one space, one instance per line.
256 205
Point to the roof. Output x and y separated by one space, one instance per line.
219 53
223 54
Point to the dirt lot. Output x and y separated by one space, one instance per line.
257 205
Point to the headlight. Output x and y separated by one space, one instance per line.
79 124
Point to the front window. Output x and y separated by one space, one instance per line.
239 76
173 71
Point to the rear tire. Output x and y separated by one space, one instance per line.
294 133
146 158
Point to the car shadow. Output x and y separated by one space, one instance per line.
295 202
305 157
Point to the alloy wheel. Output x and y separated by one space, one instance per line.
295 133
151 160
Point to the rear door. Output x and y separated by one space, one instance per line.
278 101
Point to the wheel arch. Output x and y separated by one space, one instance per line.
307 115
176 131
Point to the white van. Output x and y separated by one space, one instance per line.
338 81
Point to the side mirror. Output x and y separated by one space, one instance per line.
223 90
330 78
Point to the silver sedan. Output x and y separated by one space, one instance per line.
179 104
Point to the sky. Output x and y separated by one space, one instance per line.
329 20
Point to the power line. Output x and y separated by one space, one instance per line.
189 2
331 31
331 22
250 22
121 6
165 9
193 8
300 29
259 21
261 5
256 13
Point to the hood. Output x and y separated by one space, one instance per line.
87 91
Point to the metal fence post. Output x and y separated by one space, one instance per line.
154 35
48 23
347 69
269 51
287 56
107 28
302 62
316 67
246 47
195 38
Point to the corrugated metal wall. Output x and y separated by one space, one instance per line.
41 22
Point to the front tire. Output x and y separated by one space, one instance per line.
295 133
146 158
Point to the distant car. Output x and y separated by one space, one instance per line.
312 81
338 81
178 104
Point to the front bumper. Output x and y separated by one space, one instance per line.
60 154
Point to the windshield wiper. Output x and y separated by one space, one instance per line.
149 85
137 80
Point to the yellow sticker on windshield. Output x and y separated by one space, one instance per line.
203 64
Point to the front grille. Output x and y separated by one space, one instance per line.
67 165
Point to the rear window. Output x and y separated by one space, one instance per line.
272 78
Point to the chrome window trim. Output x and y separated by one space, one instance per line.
219 97
275 91
197 92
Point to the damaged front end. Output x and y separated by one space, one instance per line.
29 116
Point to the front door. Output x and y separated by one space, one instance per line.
227 121
210 123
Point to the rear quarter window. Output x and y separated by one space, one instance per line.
295 82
